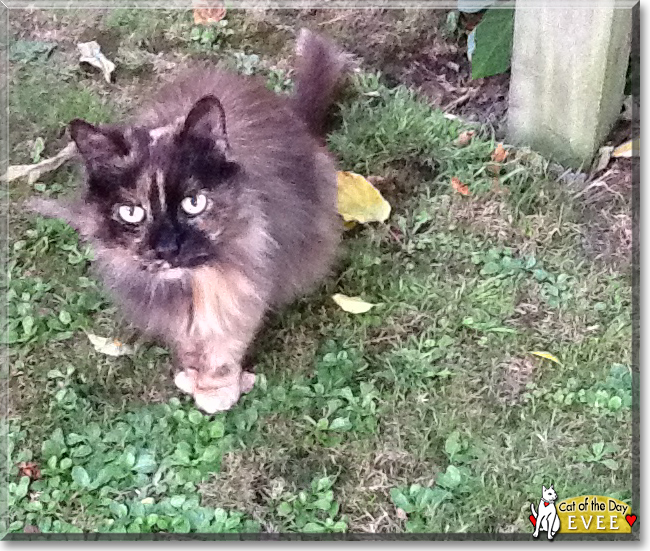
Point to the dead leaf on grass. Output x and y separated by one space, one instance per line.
110 347
628 149
91 54
465 138
360 201
35 171
547 356
499 154
29 469
208 12
352 305
458 186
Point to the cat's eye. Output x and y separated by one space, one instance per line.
132 214
194 204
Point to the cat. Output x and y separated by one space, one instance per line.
546 518
216 204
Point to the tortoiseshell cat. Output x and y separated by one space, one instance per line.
215 204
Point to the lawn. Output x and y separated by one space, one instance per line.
427 414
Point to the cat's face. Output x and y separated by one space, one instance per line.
169 196
549 493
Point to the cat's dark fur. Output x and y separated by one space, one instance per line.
203 283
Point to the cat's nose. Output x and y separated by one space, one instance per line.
167 246
167 249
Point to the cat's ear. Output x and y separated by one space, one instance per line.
551 487
543 488
207 120
97 146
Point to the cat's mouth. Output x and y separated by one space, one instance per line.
157 266
162 266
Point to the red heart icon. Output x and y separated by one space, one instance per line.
534 520
631 519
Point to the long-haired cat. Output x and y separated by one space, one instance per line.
215 204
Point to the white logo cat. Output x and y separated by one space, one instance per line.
546 518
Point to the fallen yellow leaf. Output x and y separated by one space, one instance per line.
359 200
110 347
547 356
628 149
353 305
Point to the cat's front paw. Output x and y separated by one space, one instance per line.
212 400
185 381
219 399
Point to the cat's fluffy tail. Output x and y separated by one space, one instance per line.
319 69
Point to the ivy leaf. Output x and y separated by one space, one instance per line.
30 50
119 510
449 479
610 464
401 501
80 476
341 424
493 43
284 509
146 463
452 444
22 488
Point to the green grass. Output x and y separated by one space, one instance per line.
430 403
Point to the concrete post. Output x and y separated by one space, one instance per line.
568 75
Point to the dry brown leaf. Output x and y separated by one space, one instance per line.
204 15
34 172
90 53
401 514
464 138
30 469
458 186
499 154
110 347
